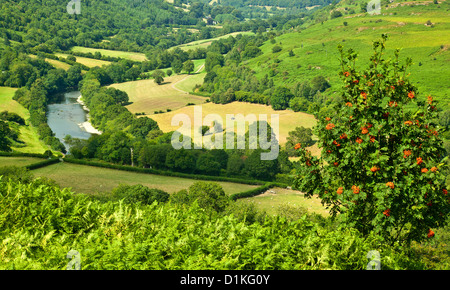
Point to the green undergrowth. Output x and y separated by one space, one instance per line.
40 223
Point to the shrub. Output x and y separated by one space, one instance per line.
16 173
276 49
208 195
139 194
336 14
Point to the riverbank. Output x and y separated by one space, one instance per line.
87 125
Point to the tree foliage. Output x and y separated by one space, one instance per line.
381 153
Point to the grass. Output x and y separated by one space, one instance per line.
18 161
136 56
204 43
316 53
189 83
89 62
147 96
271 200
91 180
28 134
288 120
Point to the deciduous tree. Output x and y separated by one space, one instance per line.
380 168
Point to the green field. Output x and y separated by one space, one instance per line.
28 134
204 43
273 199
18 161
91 180
316 52
189 83
136 56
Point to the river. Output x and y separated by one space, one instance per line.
68 117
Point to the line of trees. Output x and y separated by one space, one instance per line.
156 151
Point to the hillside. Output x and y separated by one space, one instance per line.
357 171
28 136
315 47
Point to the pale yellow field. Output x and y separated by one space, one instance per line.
89 62
136 56
147 96
288 120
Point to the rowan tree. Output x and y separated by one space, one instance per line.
380 168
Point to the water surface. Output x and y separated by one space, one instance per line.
67 118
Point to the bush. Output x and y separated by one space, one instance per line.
276 49
208 195
336 14
139 194
291 212
16 174
246 212
42 163
252 192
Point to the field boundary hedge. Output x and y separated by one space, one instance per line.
244 194
256 191
42 163
162 172
20 154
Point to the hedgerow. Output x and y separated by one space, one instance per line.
162 172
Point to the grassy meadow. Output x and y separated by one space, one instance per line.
273 199
91 180
89 62
147 96
204 43
136 56
28 134
18 161
288 120
316 50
